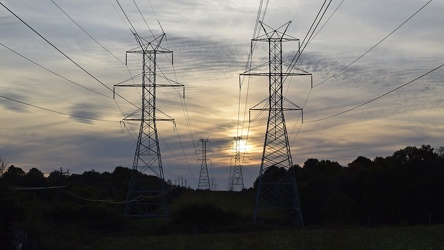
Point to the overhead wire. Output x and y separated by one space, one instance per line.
248 67
297 10
165 77
86 32
53 72
186 159
340 113
309 35
76 194
328 19
95 40
361 56
78 65
64 54
292 64
53 111
378 97
182 99
374 46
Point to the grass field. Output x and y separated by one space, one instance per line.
158 234
241 202
419 237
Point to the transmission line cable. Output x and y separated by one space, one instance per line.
357 60
127 18
186 159
95 40
86 32
65 55
376 98
140 12
317 25
332 14
260 18
182 99
306 41
297 10
52 72
163 74
383 39
52 111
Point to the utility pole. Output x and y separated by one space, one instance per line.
147 186
276 187
236 182
204 178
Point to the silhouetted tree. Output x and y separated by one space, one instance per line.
120 178
57 178
13 176
34 178
359 163
271 174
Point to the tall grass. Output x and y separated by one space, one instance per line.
419 237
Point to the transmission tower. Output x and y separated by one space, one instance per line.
276 187
204 178
147 187
236 181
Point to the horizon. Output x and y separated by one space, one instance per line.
210 42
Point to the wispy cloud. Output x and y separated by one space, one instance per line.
211 42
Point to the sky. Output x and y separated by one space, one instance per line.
71 120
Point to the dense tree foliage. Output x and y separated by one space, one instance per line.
406 188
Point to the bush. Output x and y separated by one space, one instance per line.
203 218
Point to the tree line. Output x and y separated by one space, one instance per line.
405 188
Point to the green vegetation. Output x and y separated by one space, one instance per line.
420 237
386 203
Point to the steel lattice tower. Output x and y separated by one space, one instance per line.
277 189
147 187
236 180
204 178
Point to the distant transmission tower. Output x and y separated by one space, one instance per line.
277 189
236 182
146 193
204 178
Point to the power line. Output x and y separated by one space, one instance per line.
78 25
260 18
61 52
383 39
186 159
332 14
183 103
182 99
127 18
376 98
350 65
297 10
305 42
140 12
55 47
53 111
314 21
52 72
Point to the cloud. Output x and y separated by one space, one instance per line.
12 105
211 42
85 112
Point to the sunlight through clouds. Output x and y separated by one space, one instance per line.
211 42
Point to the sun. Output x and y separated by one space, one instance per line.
239 145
